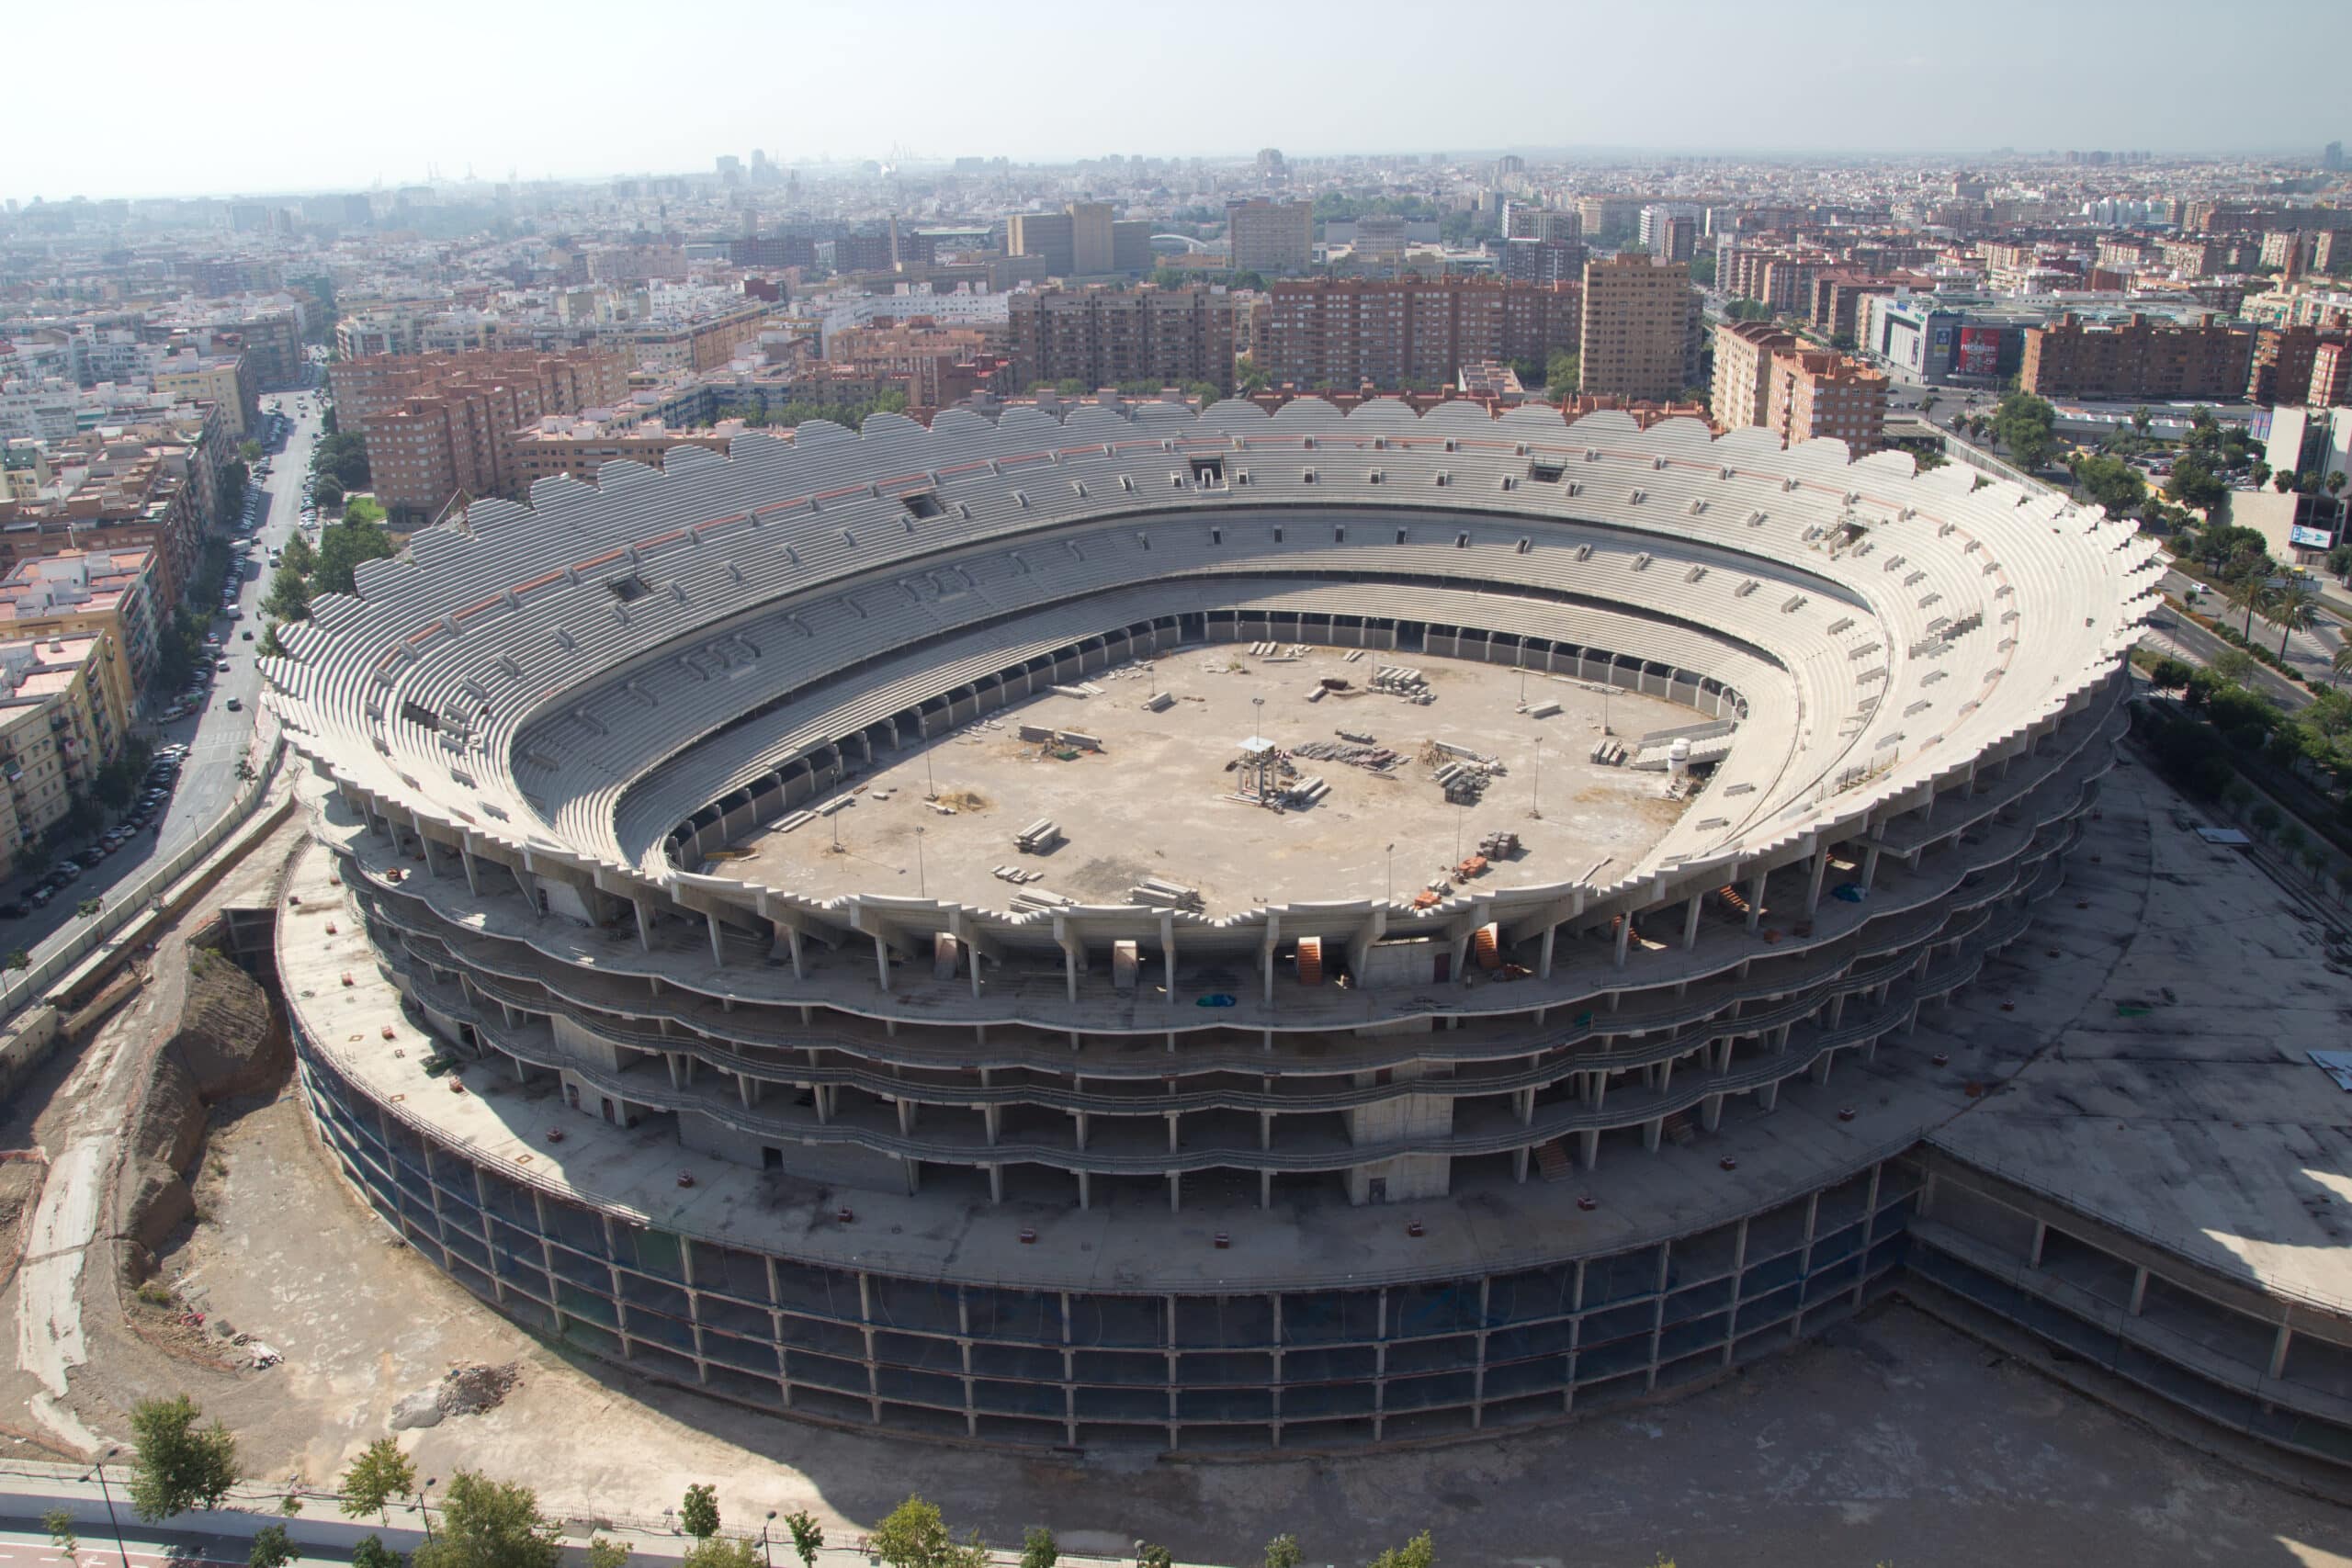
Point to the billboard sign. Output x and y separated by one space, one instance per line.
2305 539
1980 351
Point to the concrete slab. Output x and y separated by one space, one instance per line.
2153 1071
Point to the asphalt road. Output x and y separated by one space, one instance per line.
216 738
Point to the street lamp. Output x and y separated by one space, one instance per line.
766 1561
927 778
106 1492
922 878
430 1482
1391 852
1535 792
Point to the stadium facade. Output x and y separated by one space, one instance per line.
993 1173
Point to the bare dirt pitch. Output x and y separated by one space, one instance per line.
1156 799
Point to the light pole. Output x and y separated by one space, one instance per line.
766 1561
424 1510
928 780
108 1493
922 878
1535 794
1391 852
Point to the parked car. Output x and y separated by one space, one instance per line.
234 705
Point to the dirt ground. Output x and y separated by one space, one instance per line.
1895 1439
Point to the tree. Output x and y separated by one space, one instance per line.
327 492
299 555
2169 674
808 1537
698 1514
721 1552
2339 666
344 547
2234 665
288 598
2283 481
2194 484
2110 482
1147 1555
1039 1549
376 1478
272 1548
604 1553
1562 372
2295 606
2140 419
2026 425
180 1465
60 1526
2336 483
372 1552
912 1536
1283 1551
2250 593
1418 1552
489 1524
2265 818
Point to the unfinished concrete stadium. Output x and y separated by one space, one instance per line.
1217 930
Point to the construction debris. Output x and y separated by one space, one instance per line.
1356 753
471 1387
1160 892
1501 845
1038 837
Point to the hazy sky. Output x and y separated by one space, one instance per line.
315 95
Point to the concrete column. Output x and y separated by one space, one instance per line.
992 1117
718 954
1755 901
1625 936
1081 1117
996 1184
1711 1112
1175 1190
473 881
1768 1095
644 926
2041 1235
1588 1147
1084 1190
2278 1352
1690 923
906 1117
1869 867
1167 951
1171 1132
2139 1290
1820 872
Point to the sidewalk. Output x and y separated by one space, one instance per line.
28 1489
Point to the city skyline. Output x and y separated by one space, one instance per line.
389 109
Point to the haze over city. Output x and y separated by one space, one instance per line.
609 88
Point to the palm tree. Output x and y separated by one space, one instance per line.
2250 592
2295 606
2341 665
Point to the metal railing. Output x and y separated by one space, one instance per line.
124 903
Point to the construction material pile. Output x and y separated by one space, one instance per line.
1399 681
1356 753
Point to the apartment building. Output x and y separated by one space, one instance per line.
580 444
2136 358
1410 332
1640 334
920 351
1610 218
1743 381
1081 241
2283 362
57 729
2331 382
1271 238
108 594
1531 260
435 425
1815 394
1102 338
